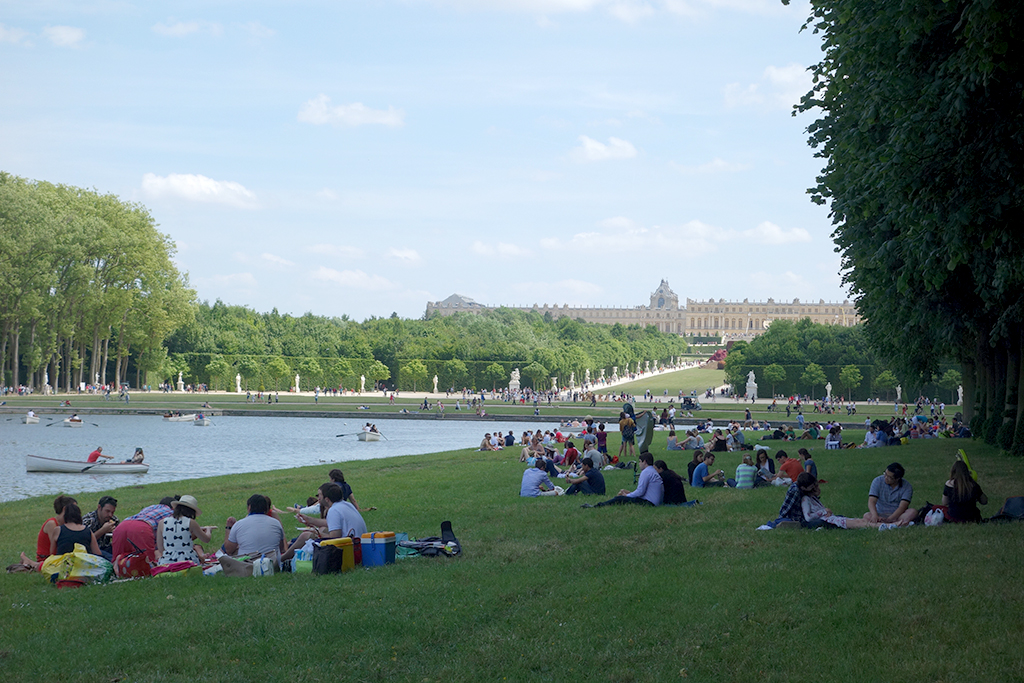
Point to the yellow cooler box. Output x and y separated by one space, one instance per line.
348 562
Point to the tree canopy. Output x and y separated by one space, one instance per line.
922 130
86 285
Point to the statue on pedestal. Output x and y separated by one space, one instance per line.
828 391
899 392
435 384
960 395
238 383
751 386
296 383
513 381
181 383
362 383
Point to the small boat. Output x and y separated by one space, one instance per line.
369 436
73 423
180 418
30 420
201 422
37 463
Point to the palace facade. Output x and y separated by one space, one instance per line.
728 319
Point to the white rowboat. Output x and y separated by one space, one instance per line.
180 418
369 436
201 422
30 419
37 463
73 423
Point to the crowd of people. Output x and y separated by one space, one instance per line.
168 535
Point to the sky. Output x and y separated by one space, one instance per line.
357 157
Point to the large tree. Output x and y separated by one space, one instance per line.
922 130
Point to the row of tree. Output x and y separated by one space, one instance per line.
87 287
802 357
464 350
919 121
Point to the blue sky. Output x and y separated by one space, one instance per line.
357 157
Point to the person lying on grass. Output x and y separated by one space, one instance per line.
889 498
813 510
649 488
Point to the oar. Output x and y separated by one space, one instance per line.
89 467
353 434
385 438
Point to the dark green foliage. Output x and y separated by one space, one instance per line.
922 130
463 350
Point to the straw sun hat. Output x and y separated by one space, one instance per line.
189 502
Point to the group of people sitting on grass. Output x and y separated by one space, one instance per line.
753 471
167 535
889 499
656 484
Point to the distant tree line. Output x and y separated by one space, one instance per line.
87 287
802 357
463 350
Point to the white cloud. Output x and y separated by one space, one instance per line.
277 261
354 279
320 111
407 256
328 194
769 233
630 11
713 166
692 8
14 36
180 29
592 150
620 235
780 86
499 249
338 251
258 30
198 188
64 36
569 291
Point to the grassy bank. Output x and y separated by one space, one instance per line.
549 591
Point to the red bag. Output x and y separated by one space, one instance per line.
131 566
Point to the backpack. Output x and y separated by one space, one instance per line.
1013 509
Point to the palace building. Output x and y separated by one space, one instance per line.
728 319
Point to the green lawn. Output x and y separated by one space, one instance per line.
694 379
548 591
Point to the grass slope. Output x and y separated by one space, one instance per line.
549 591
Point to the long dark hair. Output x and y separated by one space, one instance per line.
336 476
963 484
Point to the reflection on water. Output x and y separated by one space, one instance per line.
231 445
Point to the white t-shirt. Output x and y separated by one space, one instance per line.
343 516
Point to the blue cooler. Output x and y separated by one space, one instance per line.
378 548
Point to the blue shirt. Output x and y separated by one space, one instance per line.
532 479
650 487
699 472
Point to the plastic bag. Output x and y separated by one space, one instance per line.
78 565
934 517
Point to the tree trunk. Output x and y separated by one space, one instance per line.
1018 433
15 355
106 358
